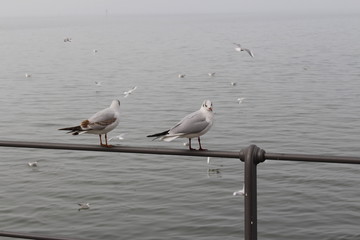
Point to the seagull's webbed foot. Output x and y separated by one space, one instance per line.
106 145
200 148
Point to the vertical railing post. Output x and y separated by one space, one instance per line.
252 156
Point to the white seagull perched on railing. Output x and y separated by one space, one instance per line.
100 123
240 49
193 125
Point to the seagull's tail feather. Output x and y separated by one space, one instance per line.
169 138
74 130
157 135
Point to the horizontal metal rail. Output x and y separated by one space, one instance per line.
124 149
180 152
30 236
251 156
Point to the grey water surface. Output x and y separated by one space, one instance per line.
301 95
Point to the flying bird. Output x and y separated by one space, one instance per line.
240 100
181 75
33 164
211 74
118 137
100 123
240 49
127 93
193 125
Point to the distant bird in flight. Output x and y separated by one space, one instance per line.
240 49
130 91
100 123
211 74
181 75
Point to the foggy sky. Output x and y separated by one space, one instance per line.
116 7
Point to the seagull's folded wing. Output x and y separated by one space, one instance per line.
193 123
102 119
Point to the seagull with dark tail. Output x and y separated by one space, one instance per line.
100 123
193 125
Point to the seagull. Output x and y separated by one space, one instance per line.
84 206
240 192
240 100
233 83
240 49
127 93
98 83
181 75
193 125
211 74
33 164
95 51
118 137
100 123
27 75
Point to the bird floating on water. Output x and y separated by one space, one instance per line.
240 49
27 75
33 164
193 125
98 83
100 123
240 192
211 74
181 75
84 206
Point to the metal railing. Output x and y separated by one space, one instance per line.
251 156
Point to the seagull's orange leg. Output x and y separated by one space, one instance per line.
101 144
106 142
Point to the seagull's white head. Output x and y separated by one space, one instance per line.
115 103
207 105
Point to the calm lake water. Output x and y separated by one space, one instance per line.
301 95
